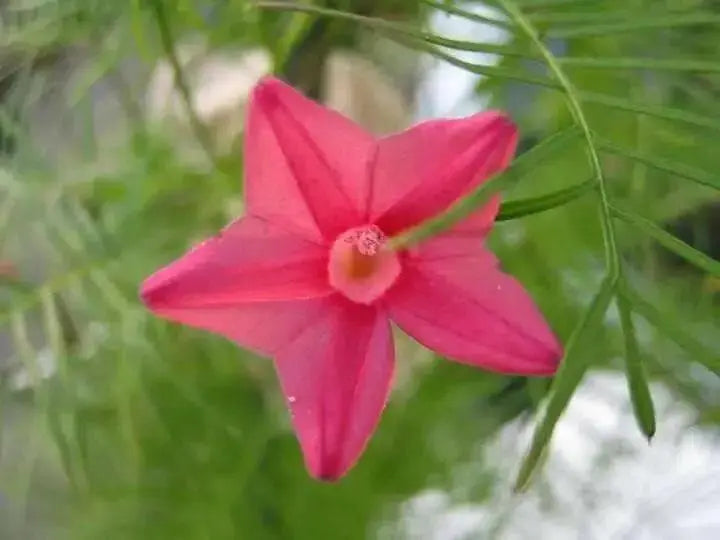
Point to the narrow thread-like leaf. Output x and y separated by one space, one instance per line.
683 171
168 42
53 329
533 5
666 113
456 213
612 259
673 329
535 205
34 295
480 69
469 15
296 30
472 46
635 24
638 388
465 206
555 17
568 377
420 40
416 38
29 358
137 28
54 333
528 161
674 244
571 370
641 63
23 346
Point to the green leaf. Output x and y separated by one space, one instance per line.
555 17
23 346
594 98
137 27
568 377
666 113
673 329
29 358
167 40
688 64
683 171
33 296
545 150
419 39
612 259
106 60
635 371
677 246
635 24
53 328
297 29
469 15
523 165
535 205
479 69
456 213
545 4
472 46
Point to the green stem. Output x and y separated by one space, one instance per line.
168 44
611 253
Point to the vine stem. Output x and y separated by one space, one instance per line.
571 373
168 45
612 259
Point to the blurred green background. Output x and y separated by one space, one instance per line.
120 146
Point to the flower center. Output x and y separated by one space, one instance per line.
361 265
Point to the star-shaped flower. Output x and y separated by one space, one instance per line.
307 276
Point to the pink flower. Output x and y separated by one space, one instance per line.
307 278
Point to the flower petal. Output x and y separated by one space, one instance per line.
420 172
306 165
456 301
263 327
336 376
251 260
